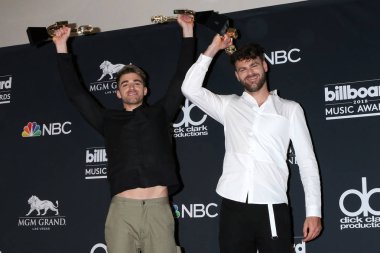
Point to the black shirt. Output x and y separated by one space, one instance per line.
138 143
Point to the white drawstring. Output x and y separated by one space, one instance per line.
272 222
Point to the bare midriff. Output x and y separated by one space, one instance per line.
145 193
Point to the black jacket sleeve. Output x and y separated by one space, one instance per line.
173 97
82 99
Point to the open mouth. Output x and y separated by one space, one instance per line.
131 93
252 78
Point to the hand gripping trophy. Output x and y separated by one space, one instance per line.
40 35
216 22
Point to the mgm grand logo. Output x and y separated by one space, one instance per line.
42 215
106 82
352 99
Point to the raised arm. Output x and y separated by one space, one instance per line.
192 88
87 105
187 24
60 39
217 44
174 97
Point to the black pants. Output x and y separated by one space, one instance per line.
245 228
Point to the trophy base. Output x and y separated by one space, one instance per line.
40 35
37 35
217 22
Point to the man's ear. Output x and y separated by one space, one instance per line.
237 76
118 93
265 65
145 90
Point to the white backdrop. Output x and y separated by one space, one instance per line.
17 15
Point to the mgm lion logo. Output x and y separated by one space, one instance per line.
109 69
37 205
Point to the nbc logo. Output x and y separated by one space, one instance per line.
195 210
32 129
282 56
176 213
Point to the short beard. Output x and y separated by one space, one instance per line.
256 88
132 102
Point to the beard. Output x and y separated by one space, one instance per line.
253 87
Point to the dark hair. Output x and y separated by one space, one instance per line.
131 69
247 52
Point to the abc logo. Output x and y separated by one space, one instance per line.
364 197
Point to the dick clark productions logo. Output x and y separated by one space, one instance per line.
188 127
365 216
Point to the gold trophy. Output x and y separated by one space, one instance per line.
160 19
39 35
232 33
216 22
75 31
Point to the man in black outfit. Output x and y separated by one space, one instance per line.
141 163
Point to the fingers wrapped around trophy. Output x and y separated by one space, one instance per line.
211 19
232 33
40 35
160 19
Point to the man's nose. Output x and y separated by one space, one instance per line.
250 71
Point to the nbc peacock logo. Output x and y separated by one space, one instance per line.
175 210
32 129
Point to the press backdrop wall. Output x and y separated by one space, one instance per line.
323 55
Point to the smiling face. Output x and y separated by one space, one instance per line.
131 90
251 73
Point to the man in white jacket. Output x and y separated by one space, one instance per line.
258 128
